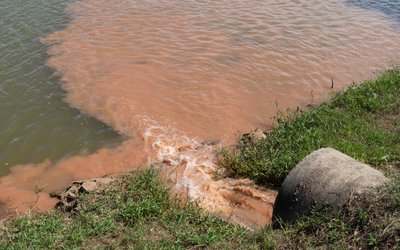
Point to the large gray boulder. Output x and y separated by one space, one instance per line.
326 177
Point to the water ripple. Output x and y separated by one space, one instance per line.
36 124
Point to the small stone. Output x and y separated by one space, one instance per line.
254 136
257 135
88 186
68 197
74 189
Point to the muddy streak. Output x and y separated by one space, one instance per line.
191 171
29 186
169 74
211 69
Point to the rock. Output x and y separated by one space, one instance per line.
257 135
93 184
326 177
68 197
88 186
254 136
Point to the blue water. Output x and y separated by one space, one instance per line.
390 8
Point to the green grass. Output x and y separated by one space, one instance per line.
136 211
363 122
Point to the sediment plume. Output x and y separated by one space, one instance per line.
171 74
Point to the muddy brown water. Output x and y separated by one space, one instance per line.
170 74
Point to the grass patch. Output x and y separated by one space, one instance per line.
362 122
134 212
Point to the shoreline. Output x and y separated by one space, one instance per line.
375 102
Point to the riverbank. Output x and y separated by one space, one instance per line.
135 210
362 122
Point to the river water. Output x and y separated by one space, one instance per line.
36 124
166 76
